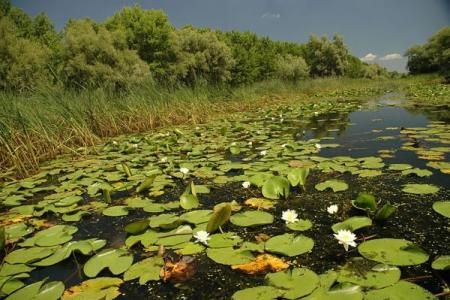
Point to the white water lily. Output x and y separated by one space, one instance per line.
233 144
281 120
262 153
164 159
318 146
289 216
115 143
283 146
202 237
273 118
250 143
246 184
332 209
346 238
316 113
184 170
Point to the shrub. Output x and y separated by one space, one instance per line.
291 68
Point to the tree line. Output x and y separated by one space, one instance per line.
137 45
433 56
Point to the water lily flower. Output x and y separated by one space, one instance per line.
233 144
164 159
262 153
273 118
246 184
202 237
289 216
346 238
318 146
332 209
184 170
316 113
115 143
281 120
135 146
283 146
250 143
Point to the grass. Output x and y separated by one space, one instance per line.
52 121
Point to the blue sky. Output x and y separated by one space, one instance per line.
376 30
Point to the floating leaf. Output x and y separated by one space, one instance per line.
385 212
441 263
418 172
262 264
116 211
260 293
400 167
259 203
300 225
196 216
116 260
165 221
137 227
402 290
397 252
189 201
102 288
229 256
28 255
294 283
415 188
289 244
352 224
55 235
298 176
366 202
39 291
442 207
335 185
222 240
146 184
146 239
276 187
220 216
251 218
367 274
146 270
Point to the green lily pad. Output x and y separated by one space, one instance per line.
39 291
251 218
298 176
229 256
165 221
220 216
10 270
116 211
190 248
415 188
102 288
189 201
397 252
196 216
28 255
400 167
366 202
259 292
418 172
146 239
146 270
402 290
335 185
300 225
222 240
137 227
441 263
258 179
289 244
442 208
55 235
15 231
352 224
294 283
276 187
116 260
367 274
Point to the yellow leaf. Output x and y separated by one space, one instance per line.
263 263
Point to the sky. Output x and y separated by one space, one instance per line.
375 30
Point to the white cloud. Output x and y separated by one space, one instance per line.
392 56
268 15
368 57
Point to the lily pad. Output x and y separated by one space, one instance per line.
366 202
416 188
259 292
300 225
402 290
418 172
367 274
352 224
222 240
116 260
229 256
289 244
28 255
298 176
196 216
441 263
251 218
116 211
146 270
94 289
397 252
39 291
442 208
276 187
294 283
335 185
55 235
220 216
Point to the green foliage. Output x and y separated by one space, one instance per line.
94 56
23 62
291 68
326 57
433 56
151 35
203 57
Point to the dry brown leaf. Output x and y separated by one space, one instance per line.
263 263
178 271
262 237
259 203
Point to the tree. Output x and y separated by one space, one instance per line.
291 68
23 62
94 56
151 35
203 57
5 6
